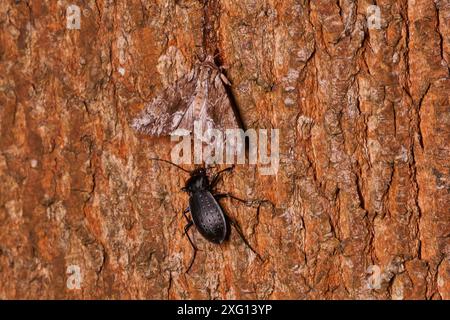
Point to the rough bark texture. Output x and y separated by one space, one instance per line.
364 181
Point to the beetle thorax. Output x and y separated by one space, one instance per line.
197 183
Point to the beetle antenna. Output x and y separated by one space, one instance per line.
169 162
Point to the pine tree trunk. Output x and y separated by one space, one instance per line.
362 196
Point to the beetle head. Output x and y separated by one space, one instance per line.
198 181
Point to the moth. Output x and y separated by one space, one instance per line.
200 95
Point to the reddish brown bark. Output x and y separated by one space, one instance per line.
364 180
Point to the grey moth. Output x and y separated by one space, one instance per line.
198 96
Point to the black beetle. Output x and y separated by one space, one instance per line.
207 215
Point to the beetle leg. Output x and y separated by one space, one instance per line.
249 203
241 235
194 248
186 229
188 226
185 215
217 175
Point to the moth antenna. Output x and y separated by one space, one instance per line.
169 162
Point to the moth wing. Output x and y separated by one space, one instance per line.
164 113
199 96
221 112
210 104
189 116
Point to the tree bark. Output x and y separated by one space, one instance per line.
362 196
